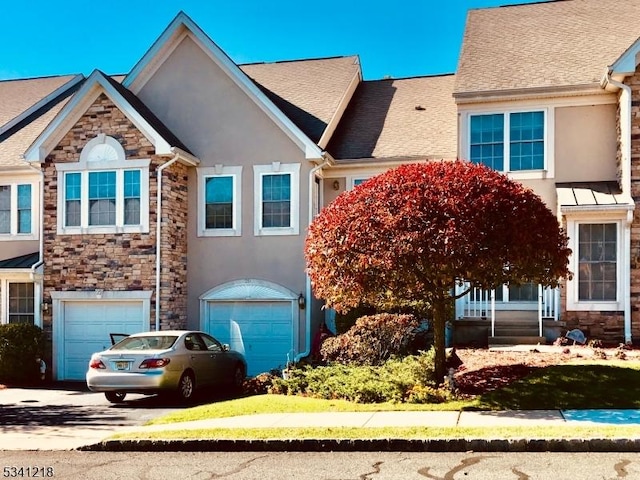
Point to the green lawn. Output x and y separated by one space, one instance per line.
571 386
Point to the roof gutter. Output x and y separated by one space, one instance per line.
625 163
328 161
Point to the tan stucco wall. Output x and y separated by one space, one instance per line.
221 125
585 143
15 249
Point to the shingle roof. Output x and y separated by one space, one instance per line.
413 117
13 147
550 44
17 96
23 261
307 91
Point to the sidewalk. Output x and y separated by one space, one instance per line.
489 419
483 419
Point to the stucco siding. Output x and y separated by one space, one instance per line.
223 126
17 248
585 143
219 123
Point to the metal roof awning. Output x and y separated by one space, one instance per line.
592 196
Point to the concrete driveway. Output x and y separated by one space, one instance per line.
67 416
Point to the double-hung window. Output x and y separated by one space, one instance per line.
508 142
219 194
597 262
16 203
103 192
277 202
21 303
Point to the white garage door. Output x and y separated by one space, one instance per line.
87 325
262 330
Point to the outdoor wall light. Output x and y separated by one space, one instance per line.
301 301
336 185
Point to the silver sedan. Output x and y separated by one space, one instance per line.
165 361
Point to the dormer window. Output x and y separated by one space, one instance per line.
103 192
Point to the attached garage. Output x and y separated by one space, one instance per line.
82 324
256 318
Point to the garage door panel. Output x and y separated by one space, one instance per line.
262 330
86 330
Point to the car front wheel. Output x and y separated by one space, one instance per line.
186 387
115 397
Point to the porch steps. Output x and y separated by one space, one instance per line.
517 328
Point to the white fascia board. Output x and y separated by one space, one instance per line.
41 103
138 77
342 107
74 109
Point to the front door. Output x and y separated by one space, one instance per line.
517 297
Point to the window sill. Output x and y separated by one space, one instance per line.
265 232
584 306
8 237
222 232
528 174
103 230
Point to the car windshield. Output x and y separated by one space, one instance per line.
156 342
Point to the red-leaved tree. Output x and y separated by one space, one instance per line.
404 239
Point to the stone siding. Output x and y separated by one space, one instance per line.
634 255
123 261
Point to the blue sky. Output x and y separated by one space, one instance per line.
402 39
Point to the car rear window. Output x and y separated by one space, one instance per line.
156 342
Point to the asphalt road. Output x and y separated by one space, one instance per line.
69 416
326 466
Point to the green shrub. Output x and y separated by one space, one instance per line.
20 344
372 340
409 379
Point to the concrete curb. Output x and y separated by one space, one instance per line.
368 445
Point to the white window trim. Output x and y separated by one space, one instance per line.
275 168
35 214
86 165
548 170
235 172
573 301
4 297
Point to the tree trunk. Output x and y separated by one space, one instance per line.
440 318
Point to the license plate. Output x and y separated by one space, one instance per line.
122 365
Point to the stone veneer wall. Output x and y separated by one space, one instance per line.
118 262
634 83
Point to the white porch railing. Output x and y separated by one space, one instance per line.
480 303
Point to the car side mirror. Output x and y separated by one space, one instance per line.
225 347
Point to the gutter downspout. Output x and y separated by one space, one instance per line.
308 293
625 161
40 262
40 222
158 231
